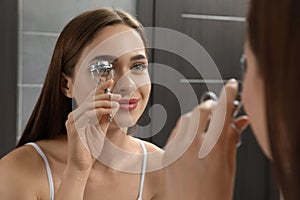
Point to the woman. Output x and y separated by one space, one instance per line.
53 134
271 86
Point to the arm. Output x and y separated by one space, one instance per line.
206 170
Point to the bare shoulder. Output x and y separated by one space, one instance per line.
152 147
20 160
156 172
21 170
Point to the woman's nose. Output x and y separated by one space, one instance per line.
124 84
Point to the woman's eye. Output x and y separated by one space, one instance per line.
139 67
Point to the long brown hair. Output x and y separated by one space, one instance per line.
52 108
274 37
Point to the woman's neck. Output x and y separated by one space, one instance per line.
120 151
117 136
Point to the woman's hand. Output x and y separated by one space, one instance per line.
87 126
206 170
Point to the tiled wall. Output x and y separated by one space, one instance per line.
40 22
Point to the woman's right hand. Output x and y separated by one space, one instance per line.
206 169
86 129
87 126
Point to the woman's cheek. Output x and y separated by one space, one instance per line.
253 100
84 85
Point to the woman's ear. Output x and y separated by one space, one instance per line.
67 85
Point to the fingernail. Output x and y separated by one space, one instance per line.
117 96
232 80
245 126
245 123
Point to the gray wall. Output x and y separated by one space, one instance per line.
40 22
8 75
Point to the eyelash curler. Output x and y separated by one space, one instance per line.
238 108
101 72
237 102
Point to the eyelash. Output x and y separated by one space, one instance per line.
144 66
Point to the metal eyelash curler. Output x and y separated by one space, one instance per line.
237 103
101 72
238 107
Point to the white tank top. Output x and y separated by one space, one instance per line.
50 178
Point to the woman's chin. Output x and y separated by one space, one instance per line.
124 120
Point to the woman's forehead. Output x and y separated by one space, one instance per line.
116 41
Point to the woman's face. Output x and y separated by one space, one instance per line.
254 101
123 47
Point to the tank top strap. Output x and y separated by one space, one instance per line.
143 172
48 170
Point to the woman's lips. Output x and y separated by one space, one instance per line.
128 104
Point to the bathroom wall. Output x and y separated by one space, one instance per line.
8 75
40 22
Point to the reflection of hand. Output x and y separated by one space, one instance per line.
87 126
212 176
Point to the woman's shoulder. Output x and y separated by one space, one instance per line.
23 169
20 170
19 159
27 155
150 147
155 171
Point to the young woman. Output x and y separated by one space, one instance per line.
51 154
271 86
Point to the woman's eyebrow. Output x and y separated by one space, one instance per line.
105 58
138 57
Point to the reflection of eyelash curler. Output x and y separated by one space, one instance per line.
103 71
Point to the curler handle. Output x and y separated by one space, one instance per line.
107 91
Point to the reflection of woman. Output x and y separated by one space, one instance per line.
52 127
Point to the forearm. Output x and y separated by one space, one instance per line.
72 185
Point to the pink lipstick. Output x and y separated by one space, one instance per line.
128 104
